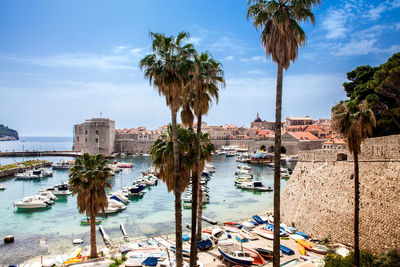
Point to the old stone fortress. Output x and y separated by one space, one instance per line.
99 135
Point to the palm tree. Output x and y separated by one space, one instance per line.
168 69
89 179
282 38
355 123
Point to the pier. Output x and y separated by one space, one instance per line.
40 153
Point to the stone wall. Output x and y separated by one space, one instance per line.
319 197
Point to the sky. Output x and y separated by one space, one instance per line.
62 62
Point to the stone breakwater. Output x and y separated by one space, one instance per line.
319 197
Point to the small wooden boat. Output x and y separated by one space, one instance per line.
265 235
258 219
241 238
257 258
320 249
249 235
285 250
209 220
231 229
235 255
301 249
302 234
266 252
295 237
85 221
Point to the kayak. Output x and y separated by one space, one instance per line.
301 249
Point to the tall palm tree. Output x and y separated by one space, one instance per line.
89 179
355 123
282 38
168 69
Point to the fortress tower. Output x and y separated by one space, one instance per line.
95 136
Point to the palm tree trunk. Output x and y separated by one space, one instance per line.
178 203
356 211
195 197
277 162
200 192
93 247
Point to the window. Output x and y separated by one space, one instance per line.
85 131
77 138
85 140
97 131
97 140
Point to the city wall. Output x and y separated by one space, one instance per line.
319 197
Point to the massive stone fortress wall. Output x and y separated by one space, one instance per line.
319 197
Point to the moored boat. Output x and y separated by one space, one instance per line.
85 221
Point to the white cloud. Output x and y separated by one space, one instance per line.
194 40
335 24
374 13
228 44
397 27
120 48
358 47
84 60
255 59
228 58
393 3
255 72
136 52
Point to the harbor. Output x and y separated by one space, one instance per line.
150 215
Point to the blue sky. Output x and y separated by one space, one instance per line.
62 62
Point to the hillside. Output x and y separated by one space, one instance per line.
7 133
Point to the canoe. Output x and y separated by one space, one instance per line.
207 231
265 235
258 259
285 250
258 219
302 234
231 229
320 249
249 235
253 222
307 245
185 238
301 249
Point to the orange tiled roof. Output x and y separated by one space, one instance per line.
303 136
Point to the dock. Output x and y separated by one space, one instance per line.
37 153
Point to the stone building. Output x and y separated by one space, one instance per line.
95 136
266 125
292 121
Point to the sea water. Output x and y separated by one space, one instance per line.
151 215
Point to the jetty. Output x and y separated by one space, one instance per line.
38 153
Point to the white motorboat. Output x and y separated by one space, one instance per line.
64 165
120 195
47 194
60 190
116 204
255 186
30 203
3 187
34 174
110 210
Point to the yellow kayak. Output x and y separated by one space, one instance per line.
301 249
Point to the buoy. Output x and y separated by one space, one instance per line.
9 239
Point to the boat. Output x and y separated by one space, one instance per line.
312 263
302 234
320 249
64 165
123 165
85 221
231 229
290 263
60 189
307 245
255 186
230 154
30 203
264 234
285 250
3 187
211 221
296 237
257 258
28 175
110 210
241 238
235 255
249 235
267 252
248 225
258 219
301 249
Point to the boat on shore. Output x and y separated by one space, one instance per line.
235 255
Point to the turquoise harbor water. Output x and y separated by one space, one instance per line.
151 215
